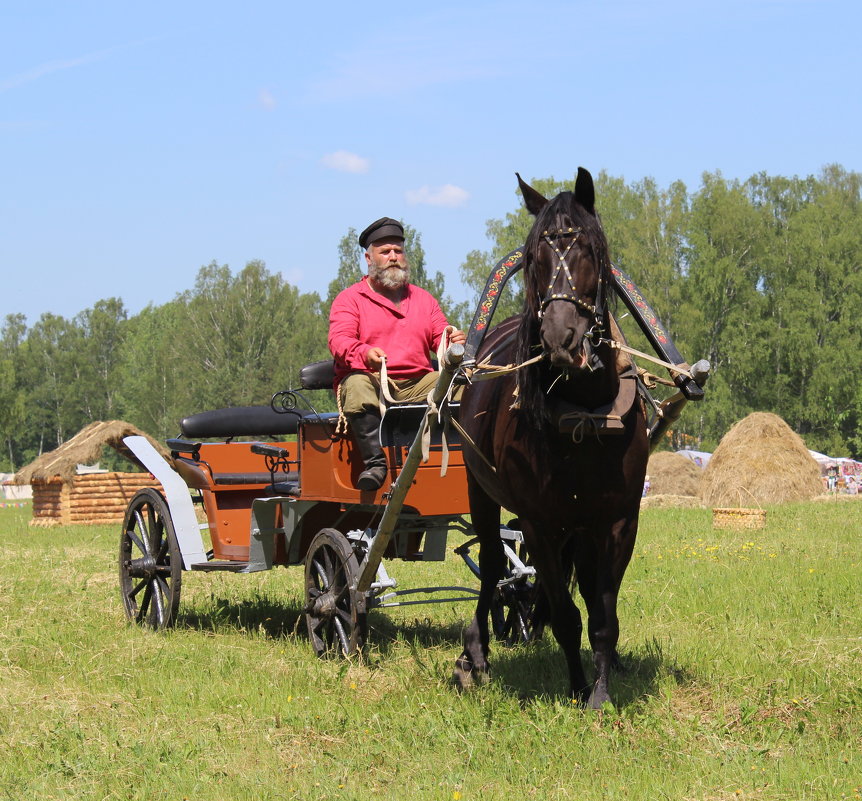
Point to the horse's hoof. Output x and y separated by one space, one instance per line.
462 680
466 675
598 698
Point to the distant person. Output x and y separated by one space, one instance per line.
383 317
832 478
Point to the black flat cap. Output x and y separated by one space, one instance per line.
381 229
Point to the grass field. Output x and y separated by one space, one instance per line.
744 680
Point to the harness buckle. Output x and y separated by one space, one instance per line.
594 334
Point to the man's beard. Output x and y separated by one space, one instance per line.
391 277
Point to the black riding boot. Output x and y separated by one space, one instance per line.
366 430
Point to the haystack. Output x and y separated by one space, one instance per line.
672 474
761 460
61 496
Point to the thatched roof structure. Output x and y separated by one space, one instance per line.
85 448
672 474
760 460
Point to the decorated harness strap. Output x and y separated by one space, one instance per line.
504 270
623 285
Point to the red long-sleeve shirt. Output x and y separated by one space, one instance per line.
361 319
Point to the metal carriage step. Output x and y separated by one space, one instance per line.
223 565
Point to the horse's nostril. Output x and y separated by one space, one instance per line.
568 339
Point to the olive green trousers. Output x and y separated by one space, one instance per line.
359 393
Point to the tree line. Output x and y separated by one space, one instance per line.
761 277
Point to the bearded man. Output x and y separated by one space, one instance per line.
383 317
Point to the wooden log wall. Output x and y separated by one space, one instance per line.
91 498
50 499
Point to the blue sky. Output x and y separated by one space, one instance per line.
141 141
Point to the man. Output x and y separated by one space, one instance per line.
383 317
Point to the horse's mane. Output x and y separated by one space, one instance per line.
562 211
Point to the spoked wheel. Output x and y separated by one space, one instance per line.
335 614
514 617
150 561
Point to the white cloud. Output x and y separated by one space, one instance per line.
60 65
447 195
344 161
46 69
265 100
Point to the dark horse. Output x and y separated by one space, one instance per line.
576 494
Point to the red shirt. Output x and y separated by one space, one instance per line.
361 319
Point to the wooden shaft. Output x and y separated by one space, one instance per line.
368 568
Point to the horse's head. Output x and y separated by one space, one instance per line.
565 274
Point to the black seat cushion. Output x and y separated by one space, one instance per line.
242 421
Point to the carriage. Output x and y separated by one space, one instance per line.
275 486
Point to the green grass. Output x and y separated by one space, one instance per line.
744 656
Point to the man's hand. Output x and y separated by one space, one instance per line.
456 337
374 359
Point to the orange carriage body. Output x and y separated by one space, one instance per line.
325 466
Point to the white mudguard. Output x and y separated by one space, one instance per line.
179 501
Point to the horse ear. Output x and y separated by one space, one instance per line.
534 201
585 192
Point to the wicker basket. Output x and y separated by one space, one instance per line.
738 518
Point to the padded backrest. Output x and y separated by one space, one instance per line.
317 375
242 421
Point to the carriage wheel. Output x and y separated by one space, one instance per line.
150 561
513 608
334 613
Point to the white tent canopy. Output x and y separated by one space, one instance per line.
13 492
700 458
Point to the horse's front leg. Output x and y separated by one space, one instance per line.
472 665
600 589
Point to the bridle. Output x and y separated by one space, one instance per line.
596 309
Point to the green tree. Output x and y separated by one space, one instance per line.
646 231
722 295
247 334
155 382
49 372
11 411
814 289
351 265
13 407
102 329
